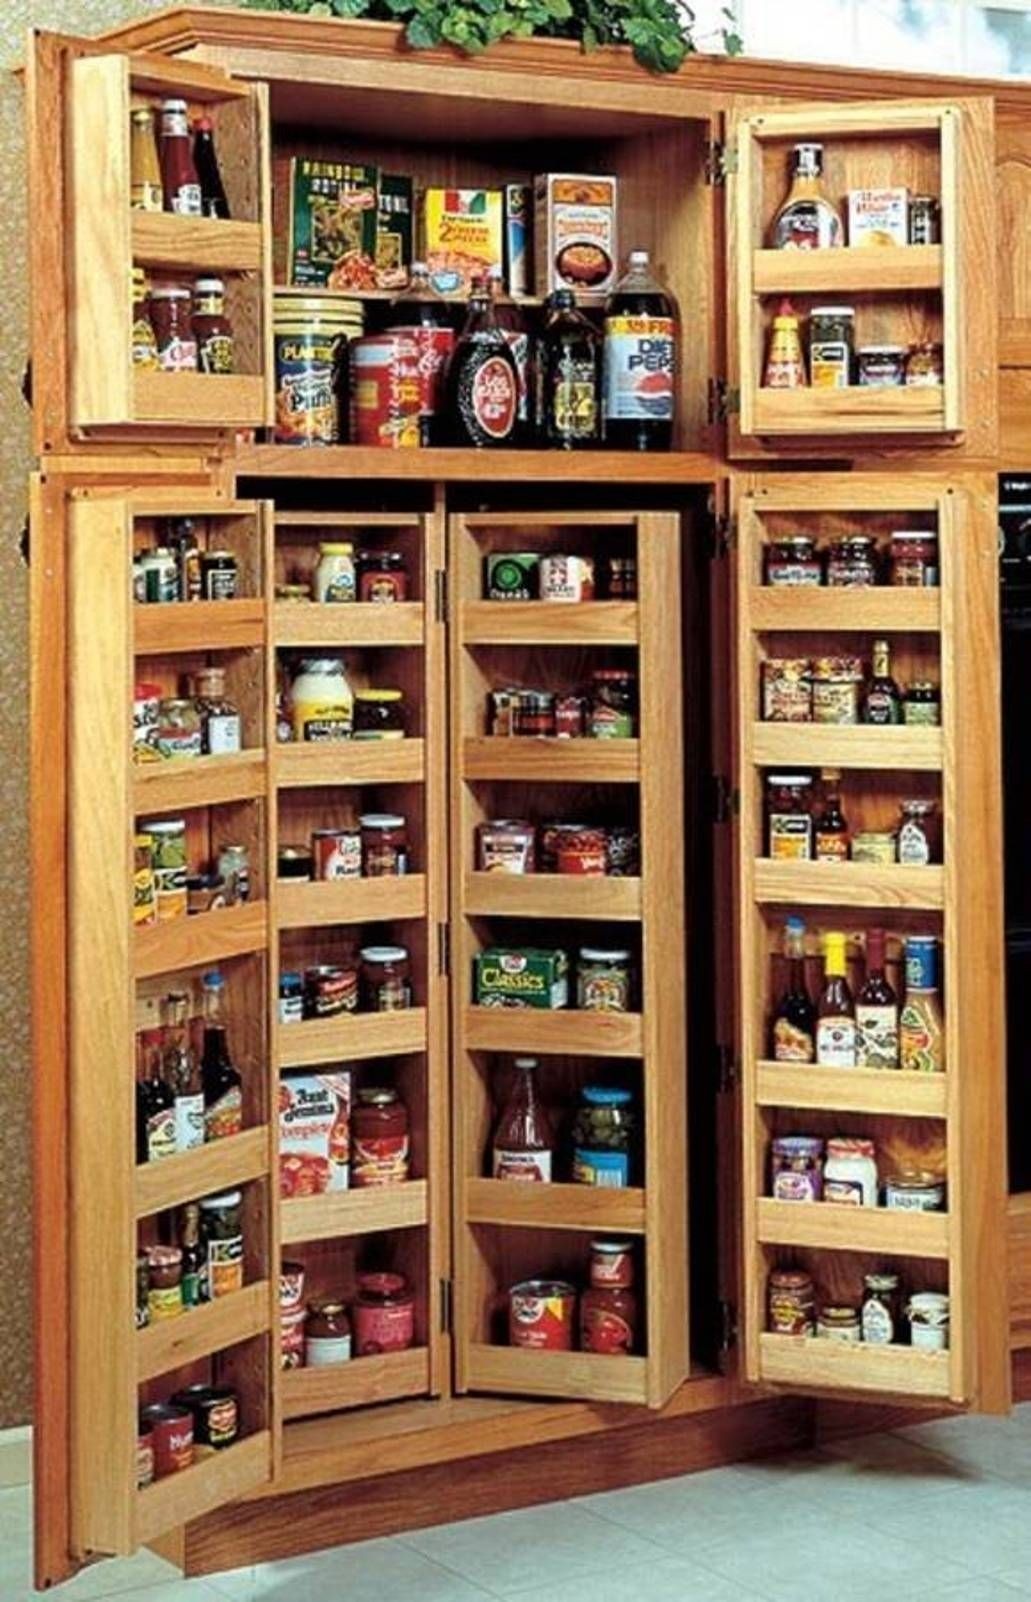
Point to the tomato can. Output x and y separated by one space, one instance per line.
541 1315
171 1436
337 853
584 852
387 390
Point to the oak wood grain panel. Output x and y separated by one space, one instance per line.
455 465
214 1167
363 1382
320 903
849 884
585 1375
198 626
350 762
212 1481
208 937
852 1229
223 400
161 239
825 746
354 1212
848 270
554 1206
882 610
552 895
813 1364
298 623
530 1029
549 622
892 1092
198 782
558 761
1019 1234
173 1342
355 1036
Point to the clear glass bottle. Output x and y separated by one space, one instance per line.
144 167
835 1010
524 1144
808 219
793 1029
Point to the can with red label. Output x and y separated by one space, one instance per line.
541 1315
171 1433
144 1456
337 853
386 390
583 851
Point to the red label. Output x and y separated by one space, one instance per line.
379 1160
383 1329
604 1331
495 397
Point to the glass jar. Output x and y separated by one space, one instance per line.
836 682
613 704
797 1168
211 327
852 561
220 717
382 576
385 979
925 366
164 1282
219 579
924 220
620 578
383 1314
379 715
533 713
327 1334
881 1314
914 559
915 1190
384 845
222 1238
793 561
335 575
602 979
604 1135
322 701
850 1172
916 836
787 687
330 990
173 328
144 342
881 366
789 816
839 1323
160 573
180 731
291 998
921 704
928 1314
380 1139
293 862
608 1308
791 1302
831 341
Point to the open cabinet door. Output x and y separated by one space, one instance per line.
898 295
922 1078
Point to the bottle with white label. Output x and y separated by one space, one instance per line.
640 361
835 1011
877 1011
181 1070
524 1144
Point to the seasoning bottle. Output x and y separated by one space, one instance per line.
807 220
193 1253
794 1020
881 1314
916 832
155 1102
608 1308
482 385
524 1144
640 361
835 1010
223 1092
181 1072
146 192
877 1010
181 185
144 340
220 717
211 327
570 377
882 703
921 1027
831 829
212 191
785 363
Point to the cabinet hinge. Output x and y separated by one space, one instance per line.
723 400
726 800
444 948
440 596
728 1326
726 1068
720 162
447 1305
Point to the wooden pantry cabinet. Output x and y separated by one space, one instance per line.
461 1421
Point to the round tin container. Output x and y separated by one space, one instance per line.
387 391
541 1315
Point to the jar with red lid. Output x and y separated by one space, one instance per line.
171 316
383 1315
608 1309
382 576
385 979
380 1153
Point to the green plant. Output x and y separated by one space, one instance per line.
660 32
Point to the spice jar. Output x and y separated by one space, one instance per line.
921 704
797 1168
173 329
928 1314
385 979
603 980
831 340
384 845
787 689
533 713
603 1135
219 576
836 682
791 1302
379 1132
925 366
850 1172
335 575
379 715
789 816
852 561
608 1308
211 327
793 561
144 342
881 366
220 718
613 705
916 832
914 559
839 1324
382 576
881 1314
327 1335
165 1282
222 1237
383 1314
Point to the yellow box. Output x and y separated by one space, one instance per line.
462 233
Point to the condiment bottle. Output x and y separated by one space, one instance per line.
212 190
807 220
155 1102
482 385
211 327
570 377
640 360
836 1016
608 1309
921 1027
223 1093
524 1144
181 1072
181 185
882 703
193 1253
220 717
785 362
877 1011
831 829
794 1019
146 193
144 340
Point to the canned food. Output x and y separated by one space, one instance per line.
291 1286
567 578
541 1314
218 576
387 391
293 862
583 851
168 856
160 575
791 1302
501 705
311 340
336 853
873 846
622 852
534 713
292 1337
215 1411
505 845
329 991
144 1457
512 576
171 1436
569 716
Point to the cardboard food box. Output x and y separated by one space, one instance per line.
878 216
507 977
518 229
334 207
462 235
575 244
314 1133
395 230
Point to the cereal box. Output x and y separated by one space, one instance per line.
878 216
574 239
333 215
462 235
518 211
314 1133
394 230
521 978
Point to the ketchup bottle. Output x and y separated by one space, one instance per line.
178 169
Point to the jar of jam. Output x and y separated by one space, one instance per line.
380 1153
144 343
914 559
881 1314
852 561
165 1282
383 1314
925 366
211 327
921 703
789 816
379 715
384 845
839 1323
797 1168
533 713
608 1308
916 836
881 366
793 561
173 328
791 1302
385 979
327 1334
382 576
613 705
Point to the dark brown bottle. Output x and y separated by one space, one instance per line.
877 1011
570 377
223 1092
831 830
882 702
155 1101
212 190
793 1028
482 388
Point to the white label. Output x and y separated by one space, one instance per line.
327 1349
189 1122
877 1029
845 1192
639 358
878 1324
836 1042
187 201
223 733
523 1165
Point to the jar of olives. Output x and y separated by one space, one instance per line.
604 1134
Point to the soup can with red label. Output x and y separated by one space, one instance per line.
541 1314
387 390
584 852
171 1433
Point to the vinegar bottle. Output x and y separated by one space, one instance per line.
877 1011
523 1141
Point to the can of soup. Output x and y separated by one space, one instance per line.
541 1315
337 853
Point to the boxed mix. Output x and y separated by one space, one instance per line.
462 236
395 239
314 1133
878 216
574 241
507 977
334 207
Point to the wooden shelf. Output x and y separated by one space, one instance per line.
857 410
207 781
161 630
556 1206
352 1037
867 1090
213 1327
855 270
223 1477
310 623
820 745
354 1212
380 295
362 1382
896 1233
883 609
532 1029
209 937
221 1165
813 1363
350 762
198 400
161 239
545 760
459 465
849 884
577 1375
551 895
303 904
549 622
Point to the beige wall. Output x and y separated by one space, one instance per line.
16 16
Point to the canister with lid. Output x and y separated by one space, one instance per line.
928 1314
312 334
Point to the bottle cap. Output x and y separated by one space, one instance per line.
638 258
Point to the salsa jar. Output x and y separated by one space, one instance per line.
604 1137
797 1168
613 704
914 559
327 1334
385 979
603 979
382 576
216 1414
384 845
793 562
852 562
921 704
541 1315
383 1315
583 851
790 1302
329 990
881 366
381 1150
173 328
789 816
608 1308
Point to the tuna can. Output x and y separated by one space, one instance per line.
541 1315
387 391
311 334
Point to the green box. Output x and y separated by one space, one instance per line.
395 231
334 206
512 576
506 976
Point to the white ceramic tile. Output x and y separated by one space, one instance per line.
694 1504
15 1509
504 1552
992 1590
986 1526
669 1580
370 1571
1000 1447
1019 1581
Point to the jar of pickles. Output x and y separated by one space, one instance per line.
604 1132
603 980
921 703
852 561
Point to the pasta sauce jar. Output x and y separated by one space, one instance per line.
383 1315
608 1308
385 979
379 1130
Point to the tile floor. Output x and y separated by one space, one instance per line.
941 1511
